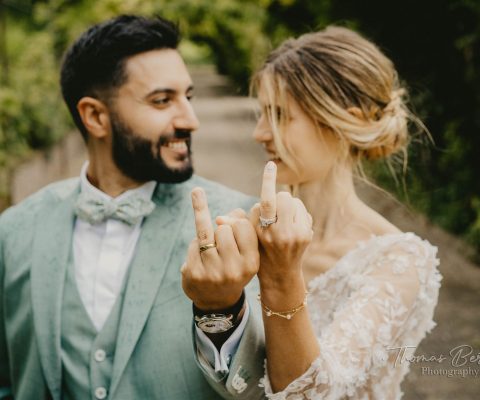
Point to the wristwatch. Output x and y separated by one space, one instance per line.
214 323
218 321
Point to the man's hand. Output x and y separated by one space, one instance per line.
214 278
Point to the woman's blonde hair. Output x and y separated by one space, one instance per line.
343 82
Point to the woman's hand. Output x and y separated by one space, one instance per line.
282 244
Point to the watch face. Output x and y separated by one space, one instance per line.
215 323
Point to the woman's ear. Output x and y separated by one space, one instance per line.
95 117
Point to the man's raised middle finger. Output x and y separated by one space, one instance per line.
203 223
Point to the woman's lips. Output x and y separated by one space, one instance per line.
273 157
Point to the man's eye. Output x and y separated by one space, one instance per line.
190 97
161 101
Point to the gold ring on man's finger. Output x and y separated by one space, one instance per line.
266 222
207 246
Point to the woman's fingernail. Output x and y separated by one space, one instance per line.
270 166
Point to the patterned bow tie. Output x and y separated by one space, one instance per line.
95 209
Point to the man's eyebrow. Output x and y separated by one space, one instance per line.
166 91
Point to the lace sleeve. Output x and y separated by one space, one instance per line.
395 294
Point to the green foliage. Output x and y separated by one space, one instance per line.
288 18
232 29
31 115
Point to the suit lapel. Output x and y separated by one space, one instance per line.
154 249
52 245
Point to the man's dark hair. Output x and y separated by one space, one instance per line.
95 63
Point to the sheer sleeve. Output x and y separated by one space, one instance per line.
389 301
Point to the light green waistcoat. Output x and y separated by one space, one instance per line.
87 355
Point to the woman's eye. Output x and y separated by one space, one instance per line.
278 112
274 111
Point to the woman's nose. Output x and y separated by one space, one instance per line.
262 132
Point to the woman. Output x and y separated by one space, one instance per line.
329 100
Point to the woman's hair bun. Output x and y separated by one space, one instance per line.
391 129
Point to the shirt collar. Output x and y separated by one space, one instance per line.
145 191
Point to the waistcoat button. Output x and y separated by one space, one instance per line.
100 355
100 392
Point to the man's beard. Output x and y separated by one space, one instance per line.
141 160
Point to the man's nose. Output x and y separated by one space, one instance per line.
186 119
262 132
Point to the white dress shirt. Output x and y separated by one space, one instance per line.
102 254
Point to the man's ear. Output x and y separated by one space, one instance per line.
95 116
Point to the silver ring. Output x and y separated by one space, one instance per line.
265 222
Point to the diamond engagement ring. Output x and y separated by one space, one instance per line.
265 222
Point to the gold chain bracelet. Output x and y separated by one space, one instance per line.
283 314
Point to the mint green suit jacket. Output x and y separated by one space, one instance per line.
155 356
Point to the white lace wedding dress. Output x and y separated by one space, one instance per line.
378 298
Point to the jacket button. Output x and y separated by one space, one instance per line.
100 392
100 355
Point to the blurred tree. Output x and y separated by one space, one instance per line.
3 44
232 29
435 45
290 17
30 111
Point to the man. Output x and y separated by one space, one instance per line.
91 301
